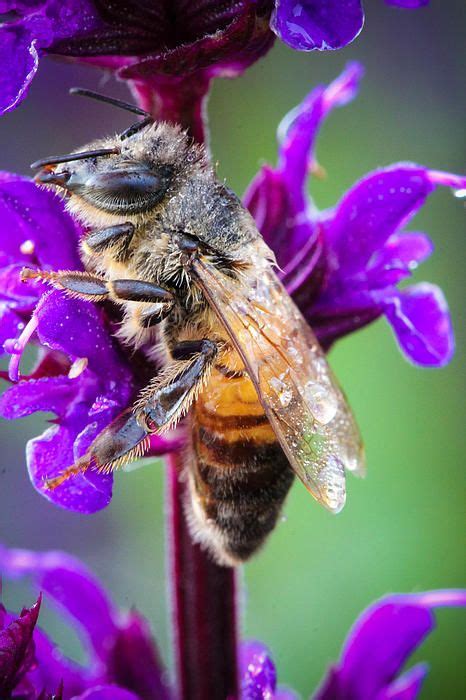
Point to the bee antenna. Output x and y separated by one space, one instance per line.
56 160
109 100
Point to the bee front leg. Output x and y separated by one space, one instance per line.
168 397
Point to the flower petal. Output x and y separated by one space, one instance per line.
313 24
381 641
48 455
371 211
73 588
77 328
408 4
134 661
19 61
17 648
277 198
400 255
52 394
37 218
407 686
107 692
420 318
258 675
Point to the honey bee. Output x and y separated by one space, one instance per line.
177 251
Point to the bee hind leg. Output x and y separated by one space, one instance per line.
122 441
168 397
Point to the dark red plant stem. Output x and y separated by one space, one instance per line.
204 600
204 608
176 100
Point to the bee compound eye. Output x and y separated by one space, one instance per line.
123 190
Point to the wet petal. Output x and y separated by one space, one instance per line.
77 328
420 318
52 394
371 211
398 258
48 455
387 633
36 217
258 675
73 588
314 24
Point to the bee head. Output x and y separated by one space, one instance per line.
127 177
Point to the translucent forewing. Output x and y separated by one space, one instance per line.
288 368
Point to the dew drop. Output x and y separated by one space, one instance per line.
322 401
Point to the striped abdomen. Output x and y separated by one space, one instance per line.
239 475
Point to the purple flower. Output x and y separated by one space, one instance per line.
82 376
374 653
124 664
173 47
342 266
122 660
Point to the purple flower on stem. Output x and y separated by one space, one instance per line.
169 50
374 654
342 266
124 664
82 375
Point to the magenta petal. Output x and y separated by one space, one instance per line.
313 24
258 675
381 642
407 686
52 394
420 318
298 130
53 667
48 455
36 217
371 211
77 329
17 648
19 61
73 588
400 255
107 692
408 4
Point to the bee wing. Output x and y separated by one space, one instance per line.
303 402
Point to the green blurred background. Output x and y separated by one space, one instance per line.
402 528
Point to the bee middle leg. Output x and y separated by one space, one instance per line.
84 285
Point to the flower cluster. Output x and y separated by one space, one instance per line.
124 664
341 266
160 42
